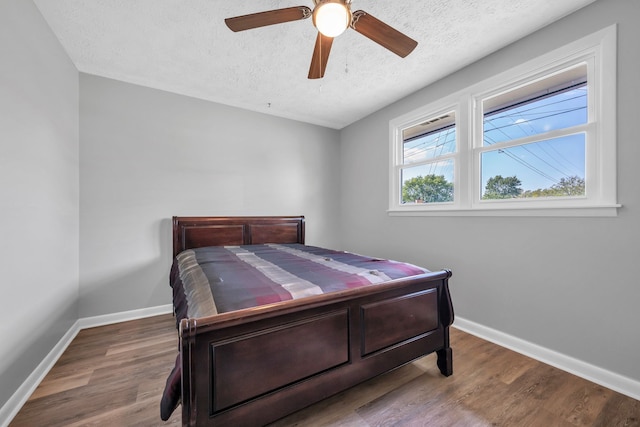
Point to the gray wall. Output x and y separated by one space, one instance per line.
38 192
567 284
147 155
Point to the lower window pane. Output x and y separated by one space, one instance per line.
551 168
430 183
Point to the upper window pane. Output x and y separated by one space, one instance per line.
430 139
556 102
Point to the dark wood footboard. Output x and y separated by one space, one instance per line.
254 366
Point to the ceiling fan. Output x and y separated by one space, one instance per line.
331 18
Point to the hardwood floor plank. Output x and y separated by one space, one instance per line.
140 343
136 414
619 411
578 401
114 376
57 385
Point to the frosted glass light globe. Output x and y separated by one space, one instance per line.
331 18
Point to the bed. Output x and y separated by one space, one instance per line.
253 364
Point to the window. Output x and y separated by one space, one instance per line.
427 161
535 140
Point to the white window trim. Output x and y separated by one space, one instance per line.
598 50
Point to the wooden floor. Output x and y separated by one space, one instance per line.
114 376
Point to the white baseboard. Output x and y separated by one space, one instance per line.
19 398
124 316
603 377
10 409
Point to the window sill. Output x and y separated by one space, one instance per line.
581 211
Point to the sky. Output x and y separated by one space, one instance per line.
540 164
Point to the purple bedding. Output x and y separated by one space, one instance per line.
217 279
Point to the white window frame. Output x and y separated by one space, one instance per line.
598 51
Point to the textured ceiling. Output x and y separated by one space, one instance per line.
184 47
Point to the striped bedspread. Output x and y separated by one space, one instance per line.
218 279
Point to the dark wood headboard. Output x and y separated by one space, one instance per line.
197 231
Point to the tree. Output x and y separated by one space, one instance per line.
502 188
571 186
566 187
428 189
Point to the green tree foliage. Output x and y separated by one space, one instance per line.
572 186
502 188
435 188
566 187
428 189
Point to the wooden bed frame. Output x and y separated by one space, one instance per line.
254 366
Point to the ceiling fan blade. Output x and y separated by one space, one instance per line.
320 56
382 33
271 17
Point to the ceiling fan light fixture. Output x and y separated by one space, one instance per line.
331 17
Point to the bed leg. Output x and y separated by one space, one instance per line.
445 361
445 355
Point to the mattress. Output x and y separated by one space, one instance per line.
218 279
